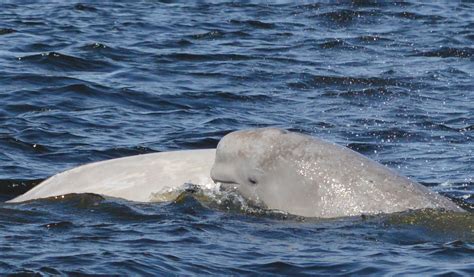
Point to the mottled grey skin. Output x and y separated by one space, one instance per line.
310 177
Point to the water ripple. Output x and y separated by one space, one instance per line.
448 52
55 60
6 31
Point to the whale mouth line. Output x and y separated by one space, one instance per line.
226 186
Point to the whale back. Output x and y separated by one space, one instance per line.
136 178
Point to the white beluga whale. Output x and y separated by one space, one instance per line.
141 178
310 177
273 168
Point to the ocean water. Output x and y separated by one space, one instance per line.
94 80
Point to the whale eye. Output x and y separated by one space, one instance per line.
252 181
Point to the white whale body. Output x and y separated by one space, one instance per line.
140 178
310 177
278 169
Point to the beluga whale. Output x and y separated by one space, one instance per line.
141 178
310 177
272 168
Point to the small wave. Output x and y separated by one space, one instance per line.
152 102
17 143
229 200
204 140
469 37
6 31
467 128
198 143
370 3
84 8
346 16
96 45
190 197
366 148
455 247
118 152
37 79
98 51
30 22
182 43
82 89
449 52
24 108
97 205
202 74
393 134
282 267
15 187
190 99
337 43
460 193
14 215
372 38
59 98
206 57
253 23
222 121
61 225
309 7
209 35
56 60
312 81
241 96
117 210
73 200
217 34
370 92
443 127
464 201
40 47
417 16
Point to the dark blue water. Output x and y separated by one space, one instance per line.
89 81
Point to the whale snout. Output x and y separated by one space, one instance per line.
223 176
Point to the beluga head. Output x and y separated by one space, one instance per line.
260 165
310 177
